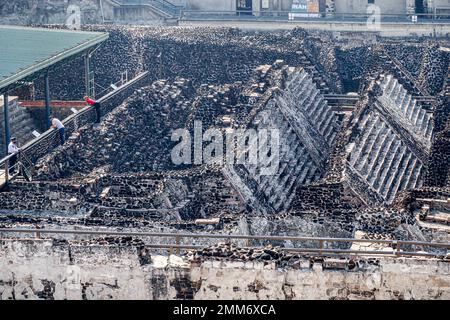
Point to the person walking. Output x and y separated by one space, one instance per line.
57 124
13 150
96 105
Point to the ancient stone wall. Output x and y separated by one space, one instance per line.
393 143
339 170
176 196
434 69
353 64
21 123
410 56
307 127
203 55
438 174
49 270
49 11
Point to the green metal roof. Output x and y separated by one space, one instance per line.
24 51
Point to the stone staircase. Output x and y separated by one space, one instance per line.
162 8
409 112
394 66
307 129
312 69
385 152
165 7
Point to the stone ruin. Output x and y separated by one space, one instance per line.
344 171
308 128
390 144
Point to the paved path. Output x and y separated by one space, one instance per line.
387 29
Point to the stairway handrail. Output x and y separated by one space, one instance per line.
71 118
398 246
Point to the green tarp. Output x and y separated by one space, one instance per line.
24 51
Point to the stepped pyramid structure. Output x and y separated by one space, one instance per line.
391 144
307 127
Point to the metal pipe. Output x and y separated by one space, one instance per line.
48 111
321 251
87 72
222 236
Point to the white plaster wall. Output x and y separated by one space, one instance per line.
360 6
438 3
286 5
211 5
103 272
351 6
392 7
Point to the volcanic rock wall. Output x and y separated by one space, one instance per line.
204 55
276 96
326 176
434 69
179 195
419 66
21 123
51 141
48 11
438 171
143 122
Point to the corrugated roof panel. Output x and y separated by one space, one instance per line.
24 51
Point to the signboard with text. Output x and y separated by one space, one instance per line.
304 8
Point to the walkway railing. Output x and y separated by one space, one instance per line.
49 140
274 15
163 7
321 243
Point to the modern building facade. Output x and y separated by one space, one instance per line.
356 7
437 6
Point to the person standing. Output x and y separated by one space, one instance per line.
57 124
13 150
97 107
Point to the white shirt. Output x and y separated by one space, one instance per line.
58 124
12 148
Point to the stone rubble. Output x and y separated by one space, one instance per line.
341 172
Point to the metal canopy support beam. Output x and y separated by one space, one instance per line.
48 111
6 113
87 73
